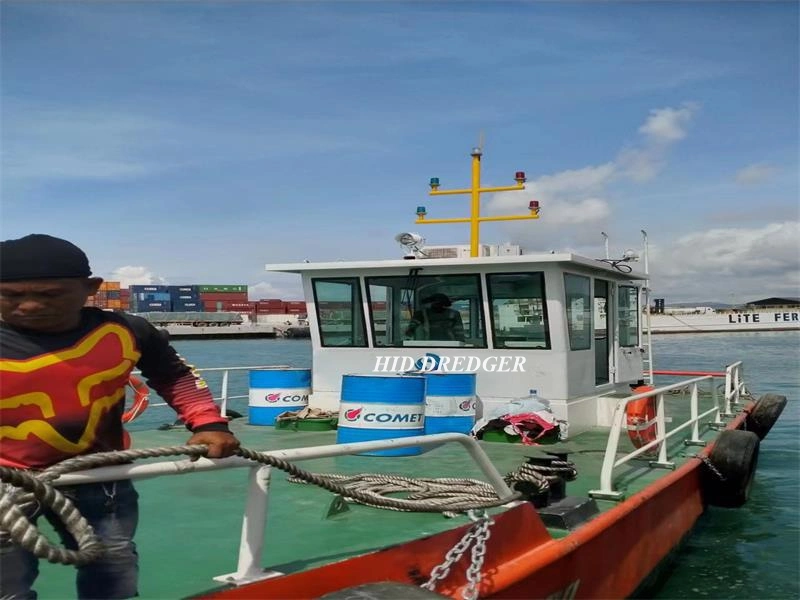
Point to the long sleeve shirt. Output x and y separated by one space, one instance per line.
63 394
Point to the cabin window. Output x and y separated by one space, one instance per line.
577 290
628 315
519 310
340 312
426 311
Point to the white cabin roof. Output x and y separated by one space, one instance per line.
403 264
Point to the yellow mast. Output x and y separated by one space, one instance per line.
475 191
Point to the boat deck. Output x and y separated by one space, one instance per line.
174 545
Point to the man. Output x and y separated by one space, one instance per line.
63 374
437 321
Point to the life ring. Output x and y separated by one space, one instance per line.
141 397
641 419
734 457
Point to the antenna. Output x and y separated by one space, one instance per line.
480 140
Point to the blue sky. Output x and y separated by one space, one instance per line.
194 142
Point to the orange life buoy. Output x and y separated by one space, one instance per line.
641 419
141 396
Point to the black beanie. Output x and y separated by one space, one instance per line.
39 256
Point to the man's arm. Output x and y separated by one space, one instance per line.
183 389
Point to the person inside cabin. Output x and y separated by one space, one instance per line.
436 321
64 369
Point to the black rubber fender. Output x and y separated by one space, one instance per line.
232 414
735 456
764 414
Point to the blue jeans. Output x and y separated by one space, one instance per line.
112 509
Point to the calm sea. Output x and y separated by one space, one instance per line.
752 552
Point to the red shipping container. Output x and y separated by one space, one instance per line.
224 297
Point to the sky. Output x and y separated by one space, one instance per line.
196 142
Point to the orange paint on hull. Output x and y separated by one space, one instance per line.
608 557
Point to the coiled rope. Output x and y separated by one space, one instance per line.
25 534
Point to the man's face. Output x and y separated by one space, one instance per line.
45 305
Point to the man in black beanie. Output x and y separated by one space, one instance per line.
50 345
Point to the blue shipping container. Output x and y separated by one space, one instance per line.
138 289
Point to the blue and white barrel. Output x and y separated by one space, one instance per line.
381 407
275 391
449 402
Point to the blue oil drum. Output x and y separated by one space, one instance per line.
382 407
275 391
449 402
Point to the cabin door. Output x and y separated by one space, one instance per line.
602 331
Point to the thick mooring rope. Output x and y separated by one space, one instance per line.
23 532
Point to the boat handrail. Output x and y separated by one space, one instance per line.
224 396
734 388
254 520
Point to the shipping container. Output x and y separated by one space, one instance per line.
149 289
187 307
268 310
151 306
110 285
224 296
222 288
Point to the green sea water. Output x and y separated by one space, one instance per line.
752 552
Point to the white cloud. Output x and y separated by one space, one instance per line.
755 173
662 129
130 275
667 125
265 289
576 199
718 264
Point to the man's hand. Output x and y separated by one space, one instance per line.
220 443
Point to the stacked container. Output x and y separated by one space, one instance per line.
185 298
219 298
271 307
125 299
107 297
295 307
150 298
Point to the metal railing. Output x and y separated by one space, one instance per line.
734 389
223 398
254 520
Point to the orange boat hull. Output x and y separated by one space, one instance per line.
608 557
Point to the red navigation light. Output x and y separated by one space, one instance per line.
533 205
520 176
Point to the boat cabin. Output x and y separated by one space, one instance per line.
564 325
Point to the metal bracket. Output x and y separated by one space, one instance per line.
601 495
694 443
662 465
249 577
